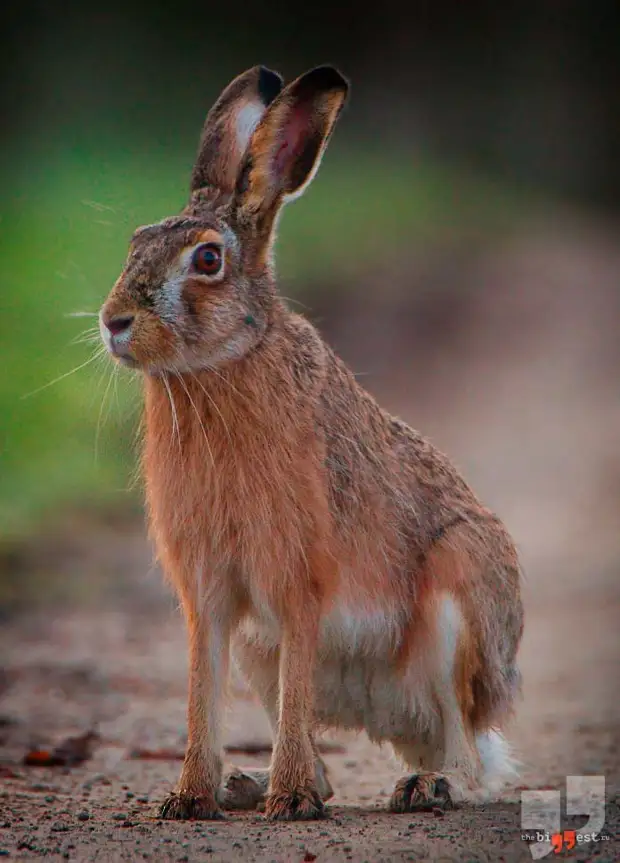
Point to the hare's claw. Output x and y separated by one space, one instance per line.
181 806
302 805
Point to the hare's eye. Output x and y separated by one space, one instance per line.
207 259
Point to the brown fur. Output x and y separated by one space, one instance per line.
280 495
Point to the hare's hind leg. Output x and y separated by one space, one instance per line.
448 766
247 789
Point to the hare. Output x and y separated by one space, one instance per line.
329 548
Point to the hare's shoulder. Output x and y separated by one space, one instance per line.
364 443
367 446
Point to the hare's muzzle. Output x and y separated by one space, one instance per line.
116 334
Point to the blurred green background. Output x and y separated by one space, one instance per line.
466 123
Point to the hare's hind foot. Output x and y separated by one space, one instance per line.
244 789
301 805
421 792
247 789
181 806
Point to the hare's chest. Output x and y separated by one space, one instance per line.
219 512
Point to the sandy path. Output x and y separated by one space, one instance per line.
123 670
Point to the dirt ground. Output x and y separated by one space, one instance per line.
115 662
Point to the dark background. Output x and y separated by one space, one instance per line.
524 90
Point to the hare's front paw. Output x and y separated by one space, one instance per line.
301 805
421 792
182 806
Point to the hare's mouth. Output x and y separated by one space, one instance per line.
121 354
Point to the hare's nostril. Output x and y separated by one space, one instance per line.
119 324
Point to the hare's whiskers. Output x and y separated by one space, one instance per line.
293 300
81 315
204 431
175 418
102 208
101 406
90 360
219 375
102 376
202 387
89 335
116 399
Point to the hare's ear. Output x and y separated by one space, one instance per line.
229 127
288 143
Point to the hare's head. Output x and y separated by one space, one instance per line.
197 289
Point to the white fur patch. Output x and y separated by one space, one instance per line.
351 631
169 305
106 335
499 764
248 119
450 625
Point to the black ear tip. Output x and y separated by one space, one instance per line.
269 85
327 78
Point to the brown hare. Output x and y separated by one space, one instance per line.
326 546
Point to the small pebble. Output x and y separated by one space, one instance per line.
83 815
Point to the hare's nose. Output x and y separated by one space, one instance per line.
118 324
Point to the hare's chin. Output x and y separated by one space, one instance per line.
127 361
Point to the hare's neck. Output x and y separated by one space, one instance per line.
207 410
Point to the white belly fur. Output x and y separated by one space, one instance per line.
356 685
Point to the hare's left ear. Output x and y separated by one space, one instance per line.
286 148
229 127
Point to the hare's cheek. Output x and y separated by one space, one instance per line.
208 311
153 341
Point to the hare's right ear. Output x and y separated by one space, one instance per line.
286 148
229 127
